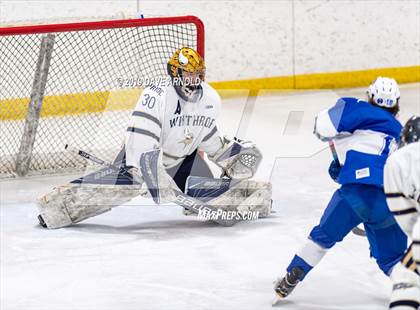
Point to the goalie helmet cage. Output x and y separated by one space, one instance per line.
76 84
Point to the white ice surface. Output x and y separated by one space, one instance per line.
140 256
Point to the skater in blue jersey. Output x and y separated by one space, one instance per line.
362 135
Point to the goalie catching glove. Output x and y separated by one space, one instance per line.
238 159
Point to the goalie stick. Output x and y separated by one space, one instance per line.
183 200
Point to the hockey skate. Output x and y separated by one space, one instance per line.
284 286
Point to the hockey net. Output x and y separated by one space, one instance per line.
76 84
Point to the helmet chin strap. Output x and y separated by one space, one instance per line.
189 93
190 89
194 93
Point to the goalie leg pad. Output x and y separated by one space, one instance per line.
246 196
72 203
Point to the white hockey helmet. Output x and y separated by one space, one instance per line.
384 92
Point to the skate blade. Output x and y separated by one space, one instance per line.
276 300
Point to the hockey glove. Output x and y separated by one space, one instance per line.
334 170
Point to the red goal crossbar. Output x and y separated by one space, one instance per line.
109 24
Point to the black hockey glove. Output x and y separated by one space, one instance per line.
334 170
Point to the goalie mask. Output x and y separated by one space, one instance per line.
187 70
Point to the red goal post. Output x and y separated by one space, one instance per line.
76 83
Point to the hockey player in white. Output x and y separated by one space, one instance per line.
363 133
402 190
179 120
171 127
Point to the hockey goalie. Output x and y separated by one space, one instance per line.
171 128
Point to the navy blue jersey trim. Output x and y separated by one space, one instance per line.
172 156
214 130
143 132
148 116
409 303
394 195
406 211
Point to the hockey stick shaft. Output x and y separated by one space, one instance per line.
88 156
97 160
333 150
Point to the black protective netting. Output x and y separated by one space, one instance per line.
93 81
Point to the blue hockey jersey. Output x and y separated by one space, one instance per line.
363 134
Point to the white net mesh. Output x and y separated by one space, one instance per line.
92 84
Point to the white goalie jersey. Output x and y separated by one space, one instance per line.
161 118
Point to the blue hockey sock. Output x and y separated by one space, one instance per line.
297 261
